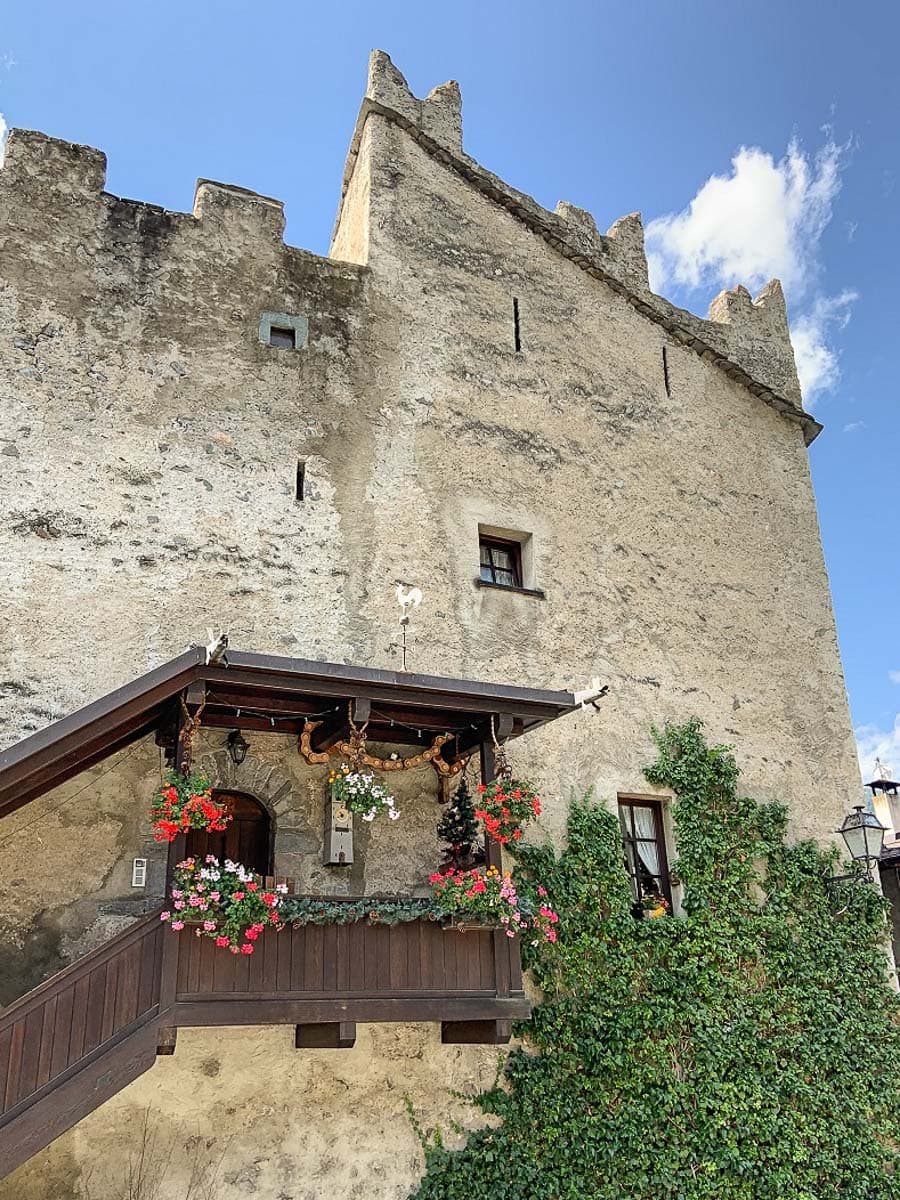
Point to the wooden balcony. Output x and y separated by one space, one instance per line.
417 971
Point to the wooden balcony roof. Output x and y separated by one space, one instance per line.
270 693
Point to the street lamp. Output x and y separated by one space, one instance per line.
863 836
237 746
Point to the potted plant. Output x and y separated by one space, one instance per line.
485 898
359 791
185 802
458 831
653 906
504 806
225 902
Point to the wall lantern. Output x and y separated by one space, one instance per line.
237 746
863 836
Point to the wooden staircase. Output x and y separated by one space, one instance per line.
87 1032
74 1041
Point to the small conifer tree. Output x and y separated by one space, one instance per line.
458 830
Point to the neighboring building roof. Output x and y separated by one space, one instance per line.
261 691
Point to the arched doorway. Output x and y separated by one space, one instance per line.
247 840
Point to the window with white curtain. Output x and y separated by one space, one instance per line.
643 839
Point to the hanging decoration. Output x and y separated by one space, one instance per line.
347 749
505 804
185 802
356 789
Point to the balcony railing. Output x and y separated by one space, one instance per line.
333 973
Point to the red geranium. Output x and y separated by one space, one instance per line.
185 802
504 806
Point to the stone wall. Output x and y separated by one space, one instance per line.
149 463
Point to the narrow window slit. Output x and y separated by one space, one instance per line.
666 372
299 495
516 327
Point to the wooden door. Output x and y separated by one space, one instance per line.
247 840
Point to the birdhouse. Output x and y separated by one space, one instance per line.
338 833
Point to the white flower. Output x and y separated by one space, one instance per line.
281 887
393 814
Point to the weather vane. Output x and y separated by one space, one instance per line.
408 598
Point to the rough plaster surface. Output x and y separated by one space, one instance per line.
284 1124
147 490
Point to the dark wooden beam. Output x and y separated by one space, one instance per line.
289 1011
300 677
476 1033
166 1038
50 757
337 726
331 1035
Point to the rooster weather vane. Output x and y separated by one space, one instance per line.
408 598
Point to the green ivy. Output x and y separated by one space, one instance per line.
747 1050
308 910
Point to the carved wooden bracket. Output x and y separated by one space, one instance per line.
347 749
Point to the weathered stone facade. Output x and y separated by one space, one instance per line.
149 471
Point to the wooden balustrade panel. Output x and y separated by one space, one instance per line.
418 958
81 1010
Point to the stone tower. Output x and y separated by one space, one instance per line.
206 427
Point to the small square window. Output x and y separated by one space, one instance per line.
285 331
501 562
643 839
281 336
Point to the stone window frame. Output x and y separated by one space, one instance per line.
523 546
295 321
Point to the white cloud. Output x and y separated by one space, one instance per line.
762 220
894 676
854 426
873 743
817 358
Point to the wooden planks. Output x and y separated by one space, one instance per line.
417 958
50 1032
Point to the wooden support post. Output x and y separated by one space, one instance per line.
504 947
168 983
166 1037
476 1033
333 1035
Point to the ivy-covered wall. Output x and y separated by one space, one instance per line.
746 1051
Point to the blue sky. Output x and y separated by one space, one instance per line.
613 107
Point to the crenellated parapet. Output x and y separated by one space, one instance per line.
439 115
137 265
34 162
236 212
52 198
748 339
